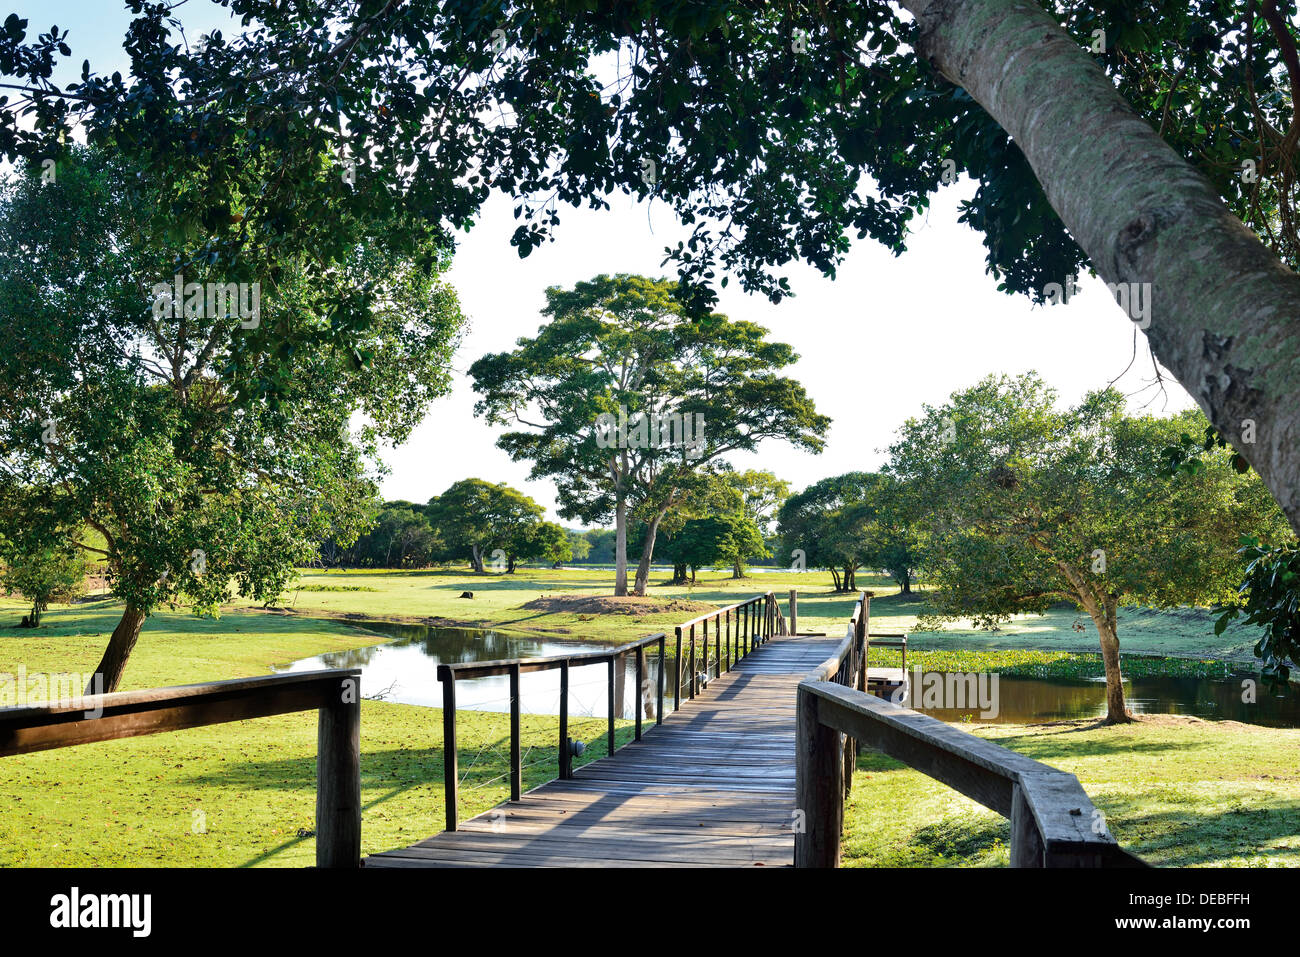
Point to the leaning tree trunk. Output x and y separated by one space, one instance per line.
1116 712
1225 312
118 651
647 555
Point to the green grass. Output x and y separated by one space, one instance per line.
498 600
1177 791
137 801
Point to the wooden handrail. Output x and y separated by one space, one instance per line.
746 615
1053 822
335 694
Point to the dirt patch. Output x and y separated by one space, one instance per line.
609 605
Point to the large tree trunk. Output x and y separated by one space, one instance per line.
476 558
736 570
1225 312
1104 615
647 554
620 548
123 639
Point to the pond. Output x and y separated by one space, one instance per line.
405 670
1024 700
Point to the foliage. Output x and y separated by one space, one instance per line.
1270 596
42 573
211 448
479 520
626 401
1030 505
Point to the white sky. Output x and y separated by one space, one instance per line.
887 335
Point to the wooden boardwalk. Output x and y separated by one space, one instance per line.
713 786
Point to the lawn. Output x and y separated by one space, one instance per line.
237 794
1177 791
498 599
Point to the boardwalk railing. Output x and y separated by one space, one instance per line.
336 695
755 620
1053 823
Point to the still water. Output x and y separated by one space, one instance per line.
405 670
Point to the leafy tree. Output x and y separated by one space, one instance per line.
42 574
758 125
627 402
827 524
600 547
762 495
210 449
579 545
477 519
1031 504
401 537
545 541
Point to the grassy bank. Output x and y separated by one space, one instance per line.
237 794
1178 791
499 599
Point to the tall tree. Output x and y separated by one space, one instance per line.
826 525
758 124
628 401
209 445
1032 504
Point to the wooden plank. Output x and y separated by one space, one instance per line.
711 785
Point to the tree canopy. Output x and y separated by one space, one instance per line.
626 401
210 447
1030 504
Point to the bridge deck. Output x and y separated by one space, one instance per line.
712 786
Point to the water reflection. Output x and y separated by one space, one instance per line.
1030 700
405 670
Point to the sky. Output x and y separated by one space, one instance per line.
885 336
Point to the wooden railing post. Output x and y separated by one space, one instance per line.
794 611
516 772
450 774
1026 843
338 779
612 704
717 644
677 684
640 697
659 705
566 762
728 627
693 672
819 801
